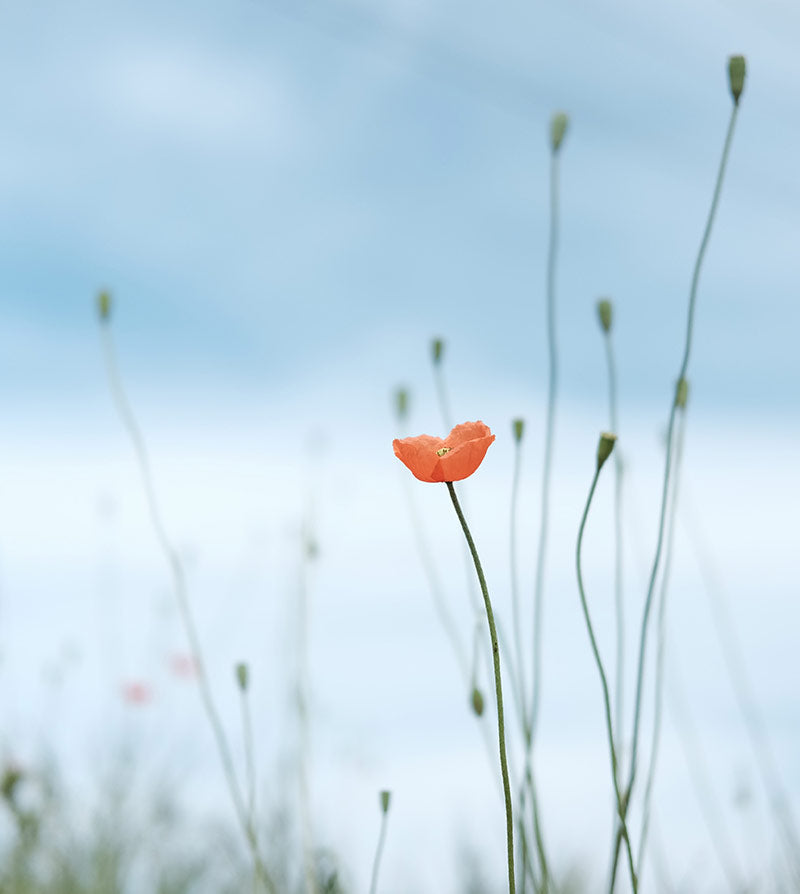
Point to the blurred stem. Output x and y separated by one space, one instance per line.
668 462
373 887
182 597
619 604
498 684
604 683
552 384
661 639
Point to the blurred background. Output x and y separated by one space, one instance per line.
287 202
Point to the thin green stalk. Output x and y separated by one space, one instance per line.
179 582
249 762
619 604
498 685
552 386
621 807
308 551
660 642
668 462
385 800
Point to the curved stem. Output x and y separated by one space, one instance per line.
619 603
498 685
184 607
552 384
660 641
668 462
373 886
668 465
621 807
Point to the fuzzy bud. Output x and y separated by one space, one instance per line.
736 73
477 702
604 448
104 305
518 427
242 676
605 313
437 349
401 404
386 798
558 127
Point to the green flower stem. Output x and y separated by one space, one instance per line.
621 807
619 605
660 642
552 385
668 463
373 886
179 582
498 684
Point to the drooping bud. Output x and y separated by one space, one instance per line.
605 313
437 349
104 305
386 799
518 427
477 701
736 73
558 127
604 448
681 393
401 404
242 676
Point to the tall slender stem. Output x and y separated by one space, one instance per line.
498 685
668 462
648 604
552 386
619 604
621 807
182 597
660 643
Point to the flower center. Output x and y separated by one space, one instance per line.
442 451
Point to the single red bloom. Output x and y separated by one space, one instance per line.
450 459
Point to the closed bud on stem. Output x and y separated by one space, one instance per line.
104 305
401 404
242 676
681 393
518 427
437 349
558 127
386 798
736 73
604 448
477 702
605 313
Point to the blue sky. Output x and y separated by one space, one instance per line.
288 201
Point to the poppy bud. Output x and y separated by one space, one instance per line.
736 72
604 313
104 305
477 701
558 127
242 676
401 404
386 797
604 448
437 348
681 393
518 427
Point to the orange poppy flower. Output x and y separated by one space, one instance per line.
450 459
